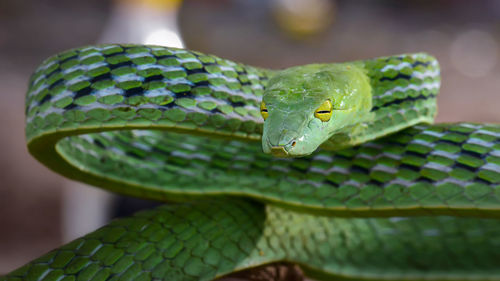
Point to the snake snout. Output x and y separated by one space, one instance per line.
283 150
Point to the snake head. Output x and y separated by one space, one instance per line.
304 106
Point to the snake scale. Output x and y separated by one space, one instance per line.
387 196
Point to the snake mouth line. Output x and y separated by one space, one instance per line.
279 151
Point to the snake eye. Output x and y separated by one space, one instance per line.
263 110
324 111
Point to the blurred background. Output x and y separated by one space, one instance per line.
39 210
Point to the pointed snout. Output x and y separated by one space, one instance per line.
282 150
281 134
282 143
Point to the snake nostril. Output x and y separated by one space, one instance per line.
294 143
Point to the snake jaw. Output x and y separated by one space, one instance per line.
279 151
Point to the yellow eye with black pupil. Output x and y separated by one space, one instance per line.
324 111
263 110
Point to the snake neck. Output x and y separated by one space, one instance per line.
404 91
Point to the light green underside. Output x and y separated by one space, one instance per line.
384 210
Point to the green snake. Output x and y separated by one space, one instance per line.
378 193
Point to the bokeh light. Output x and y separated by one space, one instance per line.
164 37
474 53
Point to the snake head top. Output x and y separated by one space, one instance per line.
304 106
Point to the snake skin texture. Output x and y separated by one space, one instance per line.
116 116
114 85
209 239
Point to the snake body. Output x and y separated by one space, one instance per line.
390 208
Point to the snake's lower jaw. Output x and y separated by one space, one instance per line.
279 151
292 149
276 151
283 152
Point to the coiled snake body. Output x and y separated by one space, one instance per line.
418 204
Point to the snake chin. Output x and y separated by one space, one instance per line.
290 150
